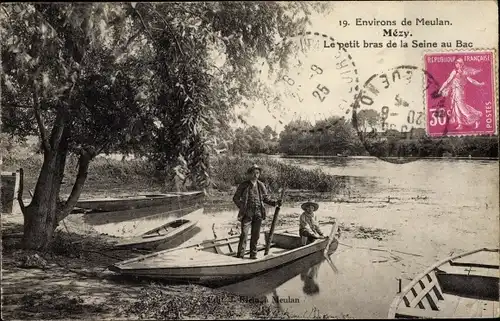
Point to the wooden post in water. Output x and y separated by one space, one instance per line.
273 224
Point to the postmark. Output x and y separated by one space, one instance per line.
388 113
467 103
318 84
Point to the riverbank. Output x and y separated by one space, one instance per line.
71 281
135 176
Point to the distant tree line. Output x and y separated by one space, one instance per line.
250 140
337 136
331 136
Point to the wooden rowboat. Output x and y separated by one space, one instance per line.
164 237
173 201
214 261
460 286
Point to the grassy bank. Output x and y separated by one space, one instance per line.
104 174
116 176
70 281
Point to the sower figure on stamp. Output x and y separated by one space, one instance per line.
250 198
461 113
308 227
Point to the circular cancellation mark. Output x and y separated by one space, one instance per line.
389 112
320 81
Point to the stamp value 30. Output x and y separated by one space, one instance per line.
465 103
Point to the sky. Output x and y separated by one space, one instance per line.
342 70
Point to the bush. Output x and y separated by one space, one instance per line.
226 173
103 173
230 170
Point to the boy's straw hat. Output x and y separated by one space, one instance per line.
310 202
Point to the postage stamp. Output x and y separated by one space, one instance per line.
466 103
388 113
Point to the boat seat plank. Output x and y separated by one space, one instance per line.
259 248
448 306
493 272
416 312
424 290
437 287
463 270
408 297
486 309
433 300
479 258
496 309
468 308
204 246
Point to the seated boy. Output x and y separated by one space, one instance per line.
308 227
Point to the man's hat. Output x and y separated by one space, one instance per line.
313 203
254 166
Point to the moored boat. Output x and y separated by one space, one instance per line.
215 262
168 201
133 223
460 286
167 236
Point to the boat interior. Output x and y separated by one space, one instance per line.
167 228
282 242
459 288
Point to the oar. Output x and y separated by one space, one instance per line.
273 224
330 240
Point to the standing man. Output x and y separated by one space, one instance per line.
250 198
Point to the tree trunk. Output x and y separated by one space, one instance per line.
40 216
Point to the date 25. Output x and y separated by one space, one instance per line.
320 91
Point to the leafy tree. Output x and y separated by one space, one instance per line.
92 78
367 119
269 133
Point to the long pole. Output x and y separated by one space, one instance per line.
330 238
273 224
325 253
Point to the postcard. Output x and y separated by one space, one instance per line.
229 160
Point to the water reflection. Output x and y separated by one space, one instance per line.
267 282
309 278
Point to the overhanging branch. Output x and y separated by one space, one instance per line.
144 24
167 25
83 166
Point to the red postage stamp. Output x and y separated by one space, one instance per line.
465 103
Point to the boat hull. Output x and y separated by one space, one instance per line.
172 201
131 223
461 286
163 242
228 272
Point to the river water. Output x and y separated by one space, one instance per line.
397 220
433 208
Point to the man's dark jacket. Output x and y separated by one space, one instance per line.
240 198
